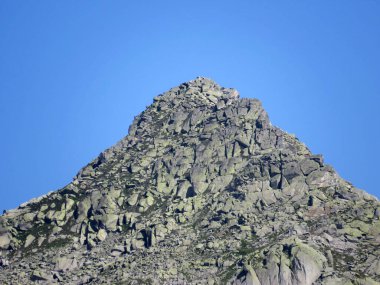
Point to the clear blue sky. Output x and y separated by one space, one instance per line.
75 73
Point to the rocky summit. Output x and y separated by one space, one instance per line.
203 190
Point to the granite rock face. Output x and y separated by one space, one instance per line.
203 190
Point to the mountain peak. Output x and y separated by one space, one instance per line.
201 89
201 81
202 190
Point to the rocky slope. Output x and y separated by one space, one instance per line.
203 190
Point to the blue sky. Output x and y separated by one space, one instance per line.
75 73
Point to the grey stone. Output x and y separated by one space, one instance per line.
66 264
29 240
275 181
291 170
308 166
4 241
132 200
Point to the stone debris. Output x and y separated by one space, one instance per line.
202 190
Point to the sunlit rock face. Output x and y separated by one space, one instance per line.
203 190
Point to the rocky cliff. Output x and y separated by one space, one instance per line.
203 190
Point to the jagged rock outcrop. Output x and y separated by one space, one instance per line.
203 190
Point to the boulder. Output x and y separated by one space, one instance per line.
220 182
101 235
66 264
29 240
83 210
291 263
275 181
4 241
109 221
183 189
200 187
132 200
29 217
307 264
138 244
321 178
291 170
308 166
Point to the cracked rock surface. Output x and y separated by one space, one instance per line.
203 190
